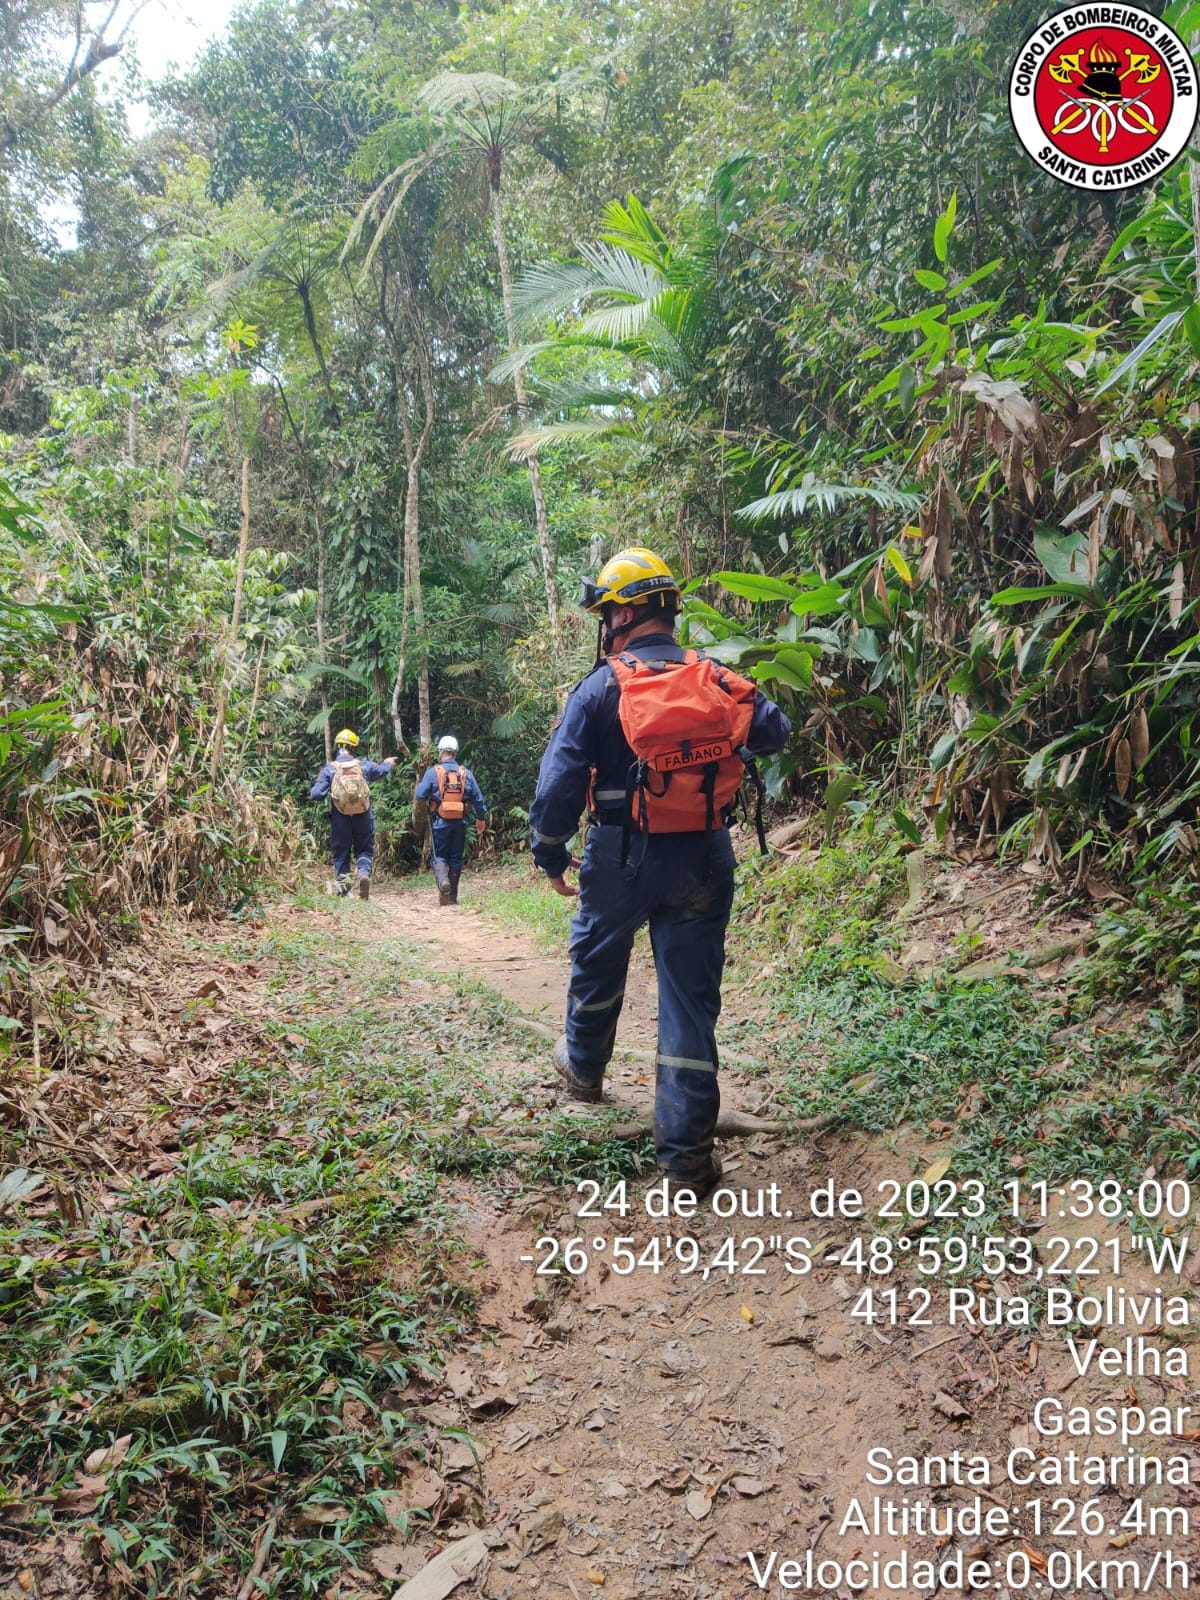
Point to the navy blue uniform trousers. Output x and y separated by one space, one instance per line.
449 842
682 885
352 838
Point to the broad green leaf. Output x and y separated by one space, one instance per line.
930 280
755 586
865 645
822 602
1064 556
1191 326
799 662
919 319
901 565
1045 591
730 651
836 794
942 751
779 672
906 825
279 1442
943 228
976 277
972 313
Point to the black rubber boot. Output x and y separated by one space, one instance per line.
441 876
364 886
455 875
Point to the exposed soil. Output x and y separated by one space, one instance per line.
641 1434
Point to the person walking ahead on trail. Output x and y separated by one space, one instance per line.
654 741
346 781
452 793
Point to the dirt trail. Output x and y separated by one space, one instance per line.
643 1433
463 940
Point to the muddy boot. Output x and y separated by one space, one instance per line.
364 886
441 876
455 875
577 1088
701 1179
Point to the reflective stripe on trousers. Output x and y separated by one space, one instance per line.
683 887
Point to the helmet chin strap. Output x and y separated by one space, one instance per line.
607 637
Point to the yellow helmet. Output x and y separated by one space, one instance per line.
348 739
629 579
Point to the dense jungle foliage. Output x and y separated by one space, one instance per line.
318 397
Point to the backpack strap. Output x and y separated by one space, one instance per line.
760 790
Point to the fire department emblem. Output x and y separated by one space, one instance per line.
1103 96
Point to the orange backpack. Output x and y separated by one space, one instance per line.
452 793
687 723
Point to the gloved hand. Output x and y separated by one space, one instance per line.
480 827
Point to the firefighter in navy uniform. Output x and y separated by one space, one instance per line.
452 792
345 782
658 851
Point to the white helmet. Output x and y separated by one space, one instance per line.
448 742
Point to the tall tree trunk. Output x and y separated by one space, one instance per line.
231 638
310 325
535 472
415 448
320 532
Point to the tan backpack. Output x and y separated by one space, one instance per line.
350 792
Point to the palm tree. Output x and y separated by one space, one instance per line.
481 117
662 310
660 307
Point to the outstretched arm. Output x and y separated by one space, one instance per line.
320 789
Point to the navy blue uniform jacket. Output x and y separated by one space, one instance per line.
589 735
372 771
427 789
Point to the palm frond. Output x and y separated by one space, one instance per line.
619 272
563 394
518 359
404 176
618 325
509 724
582 430
548 290
826 497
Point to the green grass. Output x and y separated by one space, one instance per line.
251 1318
1028 1078
532 907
